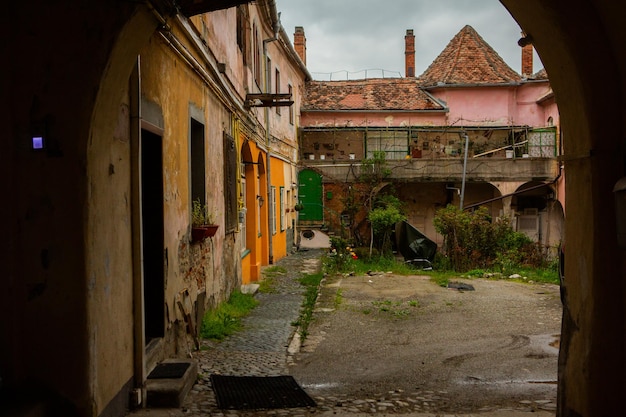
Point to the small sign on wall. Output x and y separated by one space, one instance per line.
38 143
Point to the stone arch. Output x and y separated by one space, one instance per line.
263 203
534 206
592 363
591 369
251 206
590 383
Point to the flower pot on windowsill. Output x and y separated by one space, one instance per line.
199 233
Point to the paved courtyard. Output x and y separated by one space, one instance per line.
504 369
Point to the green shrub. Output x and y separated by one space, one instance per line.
340 257
473 240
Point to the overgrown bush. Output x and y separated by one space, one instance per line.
363 253
473 240
340 258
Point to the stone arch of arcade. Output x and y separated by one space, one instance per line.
74 94
250 261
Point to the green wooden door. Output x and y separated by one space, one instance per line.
310 195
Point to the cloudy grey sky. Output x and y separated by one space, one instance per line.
347 37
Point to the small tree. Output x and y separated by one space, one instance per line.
374 171
383 218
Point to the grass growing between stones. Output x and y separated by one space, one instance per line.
226 318
312 283
268 284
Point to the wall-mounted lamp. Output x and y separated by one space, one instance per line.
261 200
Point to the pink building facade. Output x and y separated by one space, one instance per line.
468 97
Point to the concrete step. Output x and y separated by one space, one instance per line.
170 391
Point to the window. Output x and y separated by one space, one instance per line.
257 55
529 225
395 144
277 85
244 209
282 209
268 75
290 90
198 183
542 143
242 18
230 183
272 208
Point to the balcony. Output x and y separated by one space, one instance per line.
484 169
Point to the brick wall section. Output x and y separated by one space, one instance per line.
409 53
527 60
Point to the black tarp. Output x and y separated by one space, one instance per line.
413 245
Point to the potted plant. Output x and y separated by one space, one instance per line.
202 225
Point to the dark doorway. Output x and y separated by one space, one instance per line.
198 170
152 234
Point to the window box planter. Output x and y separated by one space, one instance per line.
199 233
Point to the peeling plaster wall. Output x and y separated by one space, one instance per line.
63 277
109 262
211 266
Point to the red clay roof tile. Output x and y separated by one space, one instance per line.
468 59
369 94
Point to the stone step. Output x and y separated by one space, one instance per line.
169 383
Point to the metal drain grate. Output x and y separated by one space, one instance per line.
258 393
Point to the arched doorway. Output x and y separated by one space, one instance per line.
592 376
250 266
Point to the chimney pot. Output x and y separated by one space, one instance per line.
527 55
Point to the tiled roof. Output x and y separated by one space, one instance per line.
540 75
369 94
468 59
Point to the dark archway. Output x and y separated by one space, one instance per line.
60 231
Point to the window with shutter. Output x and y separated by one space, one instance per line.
230 183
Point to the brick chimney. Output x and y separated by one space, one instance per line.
527 57
409 54
299 43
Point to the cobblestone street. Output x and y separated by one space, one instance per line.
261 349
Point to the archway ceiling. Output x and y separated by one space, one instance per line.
194 7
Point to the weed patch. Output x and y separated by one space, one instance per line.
397 309
311 282
267 285
338 298
226 318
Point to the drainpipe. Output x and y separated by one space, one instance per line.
464 170
138 393
270 205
